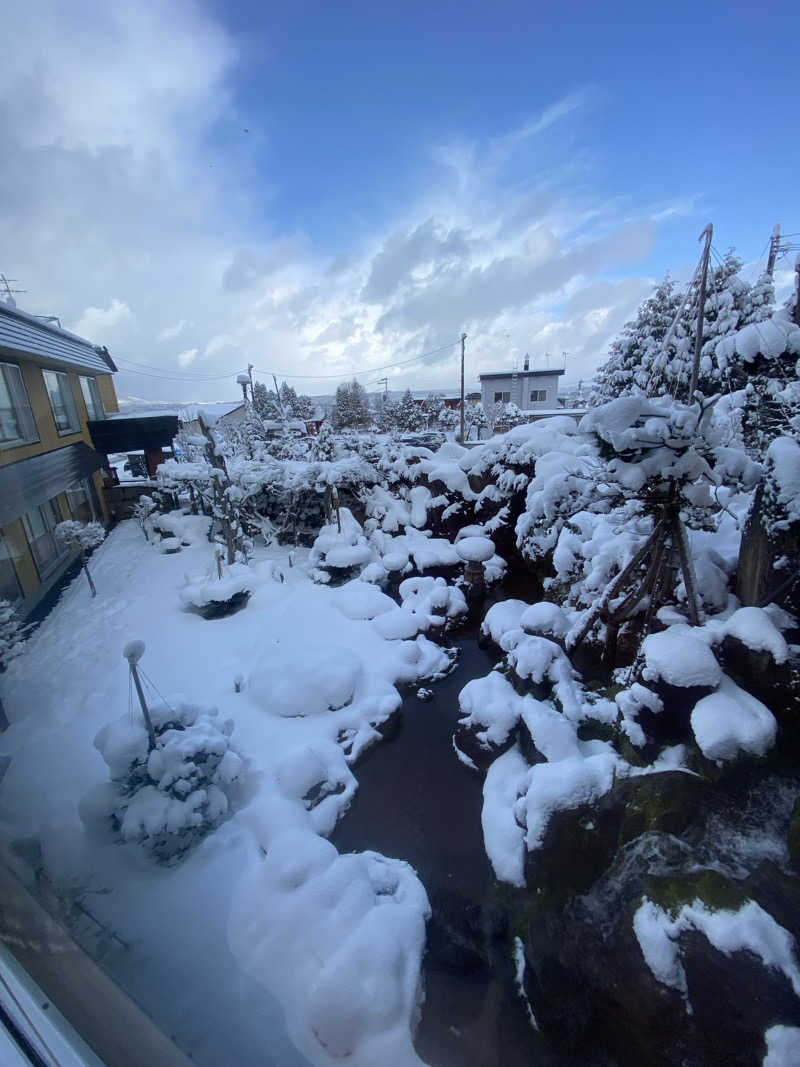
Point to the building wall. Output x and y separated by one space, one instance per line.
49 439
521 391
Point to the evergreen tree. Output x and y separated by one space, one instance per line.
432 407
474 421
265 402
325 443
448 419
410 416
351 410
303 407
289 401
637 361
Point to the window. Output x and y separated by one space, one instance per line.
40 524
91 397
62 401
9 583
17 425
502 398
538 395
81 504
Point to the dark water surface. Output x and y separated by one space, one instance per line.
417 802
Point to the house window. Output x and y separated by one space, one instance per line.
9 583
62 401
538 396
40 524
502 398
91 397
17 425
79 498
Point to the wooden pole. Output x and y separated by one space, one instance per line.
133 652
698 339
463 339
85 566
774 243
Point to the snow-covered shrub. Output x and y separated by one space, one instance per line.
340 547
12 633
82 535
169 798
219 593
141 512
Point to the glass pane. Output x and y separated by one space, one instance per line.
91 396
80 502
9 584
60 400
10 429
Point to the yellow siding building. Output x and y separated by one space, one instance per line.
52 383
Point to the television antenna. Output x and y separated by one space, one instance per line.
6 292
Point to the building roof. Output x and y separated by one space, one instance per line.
23 333
211 412
28 482
521 373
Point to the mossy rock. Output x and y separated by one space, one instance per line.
716 891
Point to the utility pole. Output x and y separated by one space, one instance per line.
278 398
774 244
250 373
701 307
463 339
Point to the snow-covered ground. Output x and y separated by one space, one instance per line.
305 674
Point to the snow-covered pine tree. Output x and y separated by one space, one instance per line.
325 443
475 420
265 402
410 416
289 401
449 419
635 354
433 406
303 407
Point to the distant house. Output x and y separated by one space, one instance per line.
224 411
451 399
528 389
53 384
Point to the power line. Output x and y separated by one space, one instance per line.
366 370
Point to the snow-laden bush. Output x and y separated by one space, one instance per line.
219 592
12 633
169 798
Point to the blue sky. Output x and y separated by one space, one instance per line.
320 188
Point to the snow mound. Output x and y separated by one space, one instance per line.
731 721
502 617
354 927
343 548
783 459
492 705
545 618
426 602
307 680
360 600
679 658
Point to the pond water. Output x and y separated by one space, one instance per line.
417 802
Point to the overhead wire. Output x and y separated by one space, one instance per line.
129 367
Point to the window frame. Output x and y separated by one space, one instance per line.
50 519
538 396
21 408
72 490
7 557
503 397
67 398
93 401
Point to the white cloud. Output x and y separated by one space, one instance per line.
187 357
114 196
100 324
169 333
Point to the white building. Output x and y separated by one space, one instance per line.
528 389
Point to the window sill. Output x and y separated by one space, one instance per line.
67 433
6 446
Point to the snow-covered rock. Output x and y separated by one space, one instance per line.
678 657
731 721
